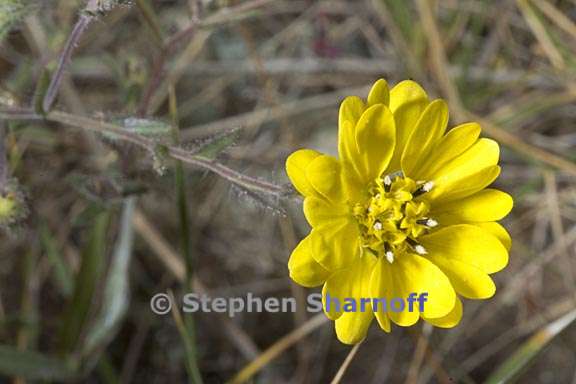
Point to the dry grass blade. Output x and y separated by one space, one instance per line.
440 65
342 370
277 348
530 349
541 34
510 140
555 15
419 353
176 267
438 53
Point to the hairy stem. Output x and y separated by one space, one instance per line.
85 123
84 20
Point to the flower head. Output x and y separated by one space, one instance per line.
405 209
12 205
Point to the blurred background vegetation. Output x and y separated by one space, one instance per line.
122 124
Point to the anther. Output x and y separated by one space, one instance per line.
426 187
430 223
388 253
387 180
390 256
418 248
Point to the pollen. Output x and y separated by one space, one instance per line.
394 216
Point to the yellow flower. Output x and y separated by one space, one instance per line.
12 205
405 209
7 207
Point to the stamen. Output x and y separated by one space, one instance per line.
426 187
430 223
418 248
390 256
388 253
387 180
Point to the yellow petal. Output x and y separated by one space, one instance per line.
407 102
324 174
483 154
354 188
375 138
469 244
352 327
428 130
379 93
450 320
413 274
486 205
453 144
336 245
350 111
319 211
304 270
467 280
351 282
457 186
499 231
296 165
380 287
331 311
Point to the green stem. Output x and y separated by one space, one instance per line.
185 244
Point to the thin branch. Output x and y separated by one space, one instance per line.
86 17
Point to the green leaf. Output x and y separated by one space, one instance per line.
62 272
145 127
35 366
116 291
525 355
41 88
214 145
93 257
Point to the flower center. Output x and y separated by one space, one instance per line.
394 216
